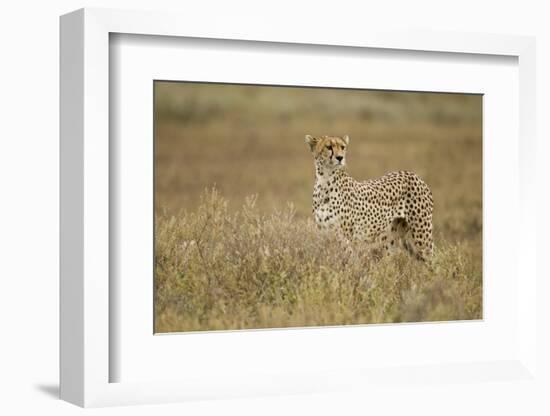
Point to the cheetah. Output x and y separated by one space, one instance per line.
392 211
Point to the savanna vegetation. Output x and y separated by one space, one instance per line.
235 246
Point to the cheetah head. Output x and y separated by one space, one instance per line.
329 152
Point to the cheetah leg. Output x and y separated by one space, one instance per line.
345 241
394 236
420 239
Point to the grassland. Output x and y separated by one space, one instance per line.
246 255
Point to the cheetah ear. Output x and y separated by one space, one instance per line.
312 141
346 139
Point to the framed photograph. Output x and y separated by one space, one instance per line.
281 212
243 241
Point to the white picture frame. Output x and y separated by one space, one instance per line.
86 356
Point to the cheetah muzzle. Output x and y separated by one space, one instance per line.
390 211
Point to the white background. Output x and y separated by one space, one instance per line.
29 205
143 357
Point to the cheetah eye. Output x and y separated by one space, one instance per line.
343 147
328 147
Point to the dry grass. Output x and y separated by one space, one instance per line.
222 270
234 262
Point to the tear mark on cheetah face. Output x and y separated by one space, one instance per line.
329 152
392 211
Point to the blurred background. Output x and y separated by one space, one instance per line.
247 139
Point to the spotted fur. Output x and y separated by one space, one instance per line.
392 211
